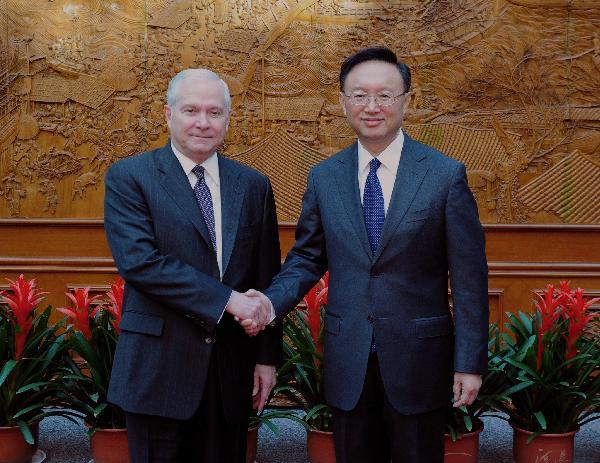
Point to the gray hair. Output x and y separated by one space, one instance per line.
202 73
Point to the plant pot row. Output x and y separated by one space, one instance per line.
549 448
110 446
107 445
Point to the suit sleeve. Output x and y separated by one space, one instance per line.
270 350
306 263
164 278
468 276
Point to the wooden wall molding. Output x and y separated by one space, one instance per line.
66 253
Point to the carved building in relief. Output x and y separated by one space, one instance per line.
509 87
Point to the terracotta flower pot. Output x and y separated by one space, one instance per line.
319 445
252 444
464 450
110 446
13 448
549 448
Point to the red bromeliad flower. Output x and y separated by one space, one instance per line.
115 306
548 309
80 315
316 298
575 311
22 301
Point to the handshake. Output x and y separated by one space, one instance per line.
252 310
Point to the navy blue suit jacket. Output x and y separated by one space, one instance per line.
173 295
399 294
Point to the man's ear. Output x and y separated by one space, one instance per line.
407 100
167 112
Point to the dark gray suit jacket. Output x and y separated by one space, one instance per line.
173 296
399 294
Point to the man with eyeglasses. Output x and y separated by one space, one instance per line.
390 218
191 230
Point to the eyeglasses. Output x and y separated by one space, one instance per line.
382 99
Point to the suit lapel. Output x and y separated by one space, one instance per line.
231 204
177 186
347 182
410 175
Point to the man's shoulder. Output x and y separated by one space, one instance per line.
137 160
342 156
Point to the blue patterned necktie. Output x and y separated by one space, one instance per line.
374 214
204 199
373 206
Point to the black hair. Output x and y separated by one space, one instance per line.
374 54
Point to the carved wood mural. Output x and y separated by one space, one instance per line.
509 87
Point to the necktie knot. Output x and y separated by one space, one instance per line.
374 164
198 171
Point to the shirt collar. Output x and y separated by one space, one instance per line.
389 157
211 165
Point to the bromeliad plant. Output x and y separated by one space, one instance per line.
92 335
30 353
494 389
302 372
552 366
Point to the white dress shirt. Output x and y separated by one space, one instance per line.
211 176
389 158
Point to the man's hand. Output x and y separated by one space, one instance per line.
466 387
249 325
264 380
249 309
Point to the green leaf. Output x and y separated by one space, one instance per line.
24 411
35 386
533 436
468 423
6 369
26 432
541 419
99 409
315 411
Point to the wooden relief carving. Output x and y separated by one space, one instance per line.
509 87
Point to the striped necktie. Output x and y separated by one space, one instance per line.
204 199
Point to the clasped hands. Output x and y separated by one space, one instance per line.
252 310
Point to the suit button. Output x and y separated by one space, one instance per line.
375 274
370 318
209 340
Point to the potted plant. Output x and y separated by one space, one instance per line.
464 424
553 373
302 372
30 352
92 336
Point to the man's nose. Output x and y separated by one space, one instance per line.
372 105
202 120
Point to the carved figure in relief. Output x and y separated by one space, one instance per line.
13 191
48 188
83 182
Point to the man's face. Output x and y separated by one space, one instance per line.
199 119
375 125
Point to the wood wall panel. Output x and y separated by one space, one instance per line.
66 254
508 87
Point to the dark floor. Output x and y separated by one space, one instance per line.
66 442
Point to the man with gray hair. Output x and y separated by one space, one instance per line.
190 231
